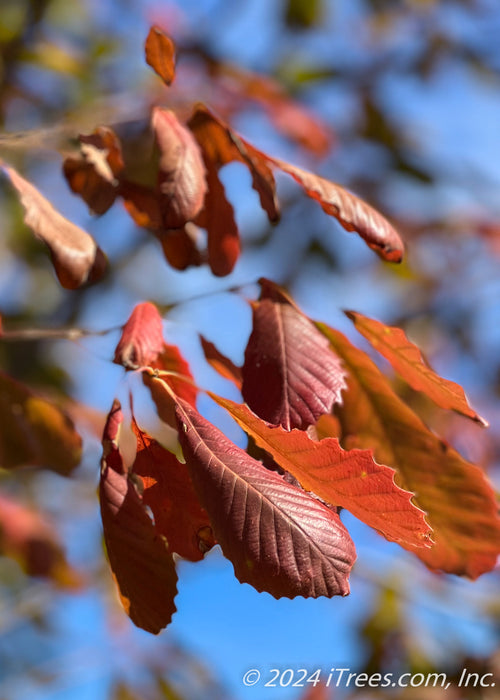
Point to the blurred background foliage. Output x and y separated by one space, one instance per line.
406 97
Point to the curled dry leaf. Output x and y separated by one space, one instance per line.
160 54
349 479
290 375
74 253
94 175
460 504
142 338
352 212
34 431
409 363
169 492
139 557
31 540
181 177
279 539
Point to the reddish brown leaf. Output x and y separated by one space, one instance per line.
142 204
222 364
142 338
279 539
139 557
180 246
290 375
74 253
181 177
160 54
169 493
181 382
34 431
31 540
221 145
93 176
408 362
217 217
351 480
352 213
460 504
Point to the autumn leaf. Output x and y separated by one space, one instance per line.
351 212
35 431
139 557
408 362
222 145
169 492
180 246
279 539
94 176
181 177
32 541
172 369
460 503
222 364
142 338
217 217
290 374
75 255
349 479
160 54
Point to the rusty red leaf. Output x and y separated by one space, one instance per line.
169 492
139 557
75 255
160 54
142 338
279 539
290 374
217 217
172 370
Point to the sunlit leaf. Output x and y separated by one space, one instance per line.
279 539
352 213
180 246
160 54
169 493
142 338
349 479
290 374
74 253
460 504
34 431
181 178
408 362
141 563
32 541
222 364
